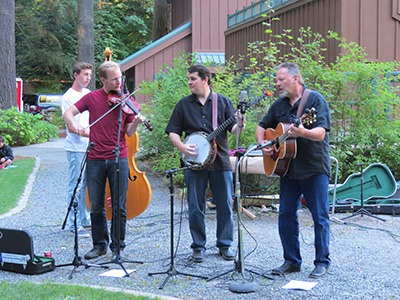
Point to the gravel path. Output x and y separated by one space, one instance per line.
364 250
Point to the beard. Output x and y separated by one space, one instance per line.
283 93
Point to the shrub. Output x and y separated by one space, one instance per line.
20 128
362 96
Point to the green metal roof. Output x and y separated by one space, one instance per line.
211 58
255 10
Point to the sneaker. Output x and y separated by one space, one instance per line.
95 252
82 232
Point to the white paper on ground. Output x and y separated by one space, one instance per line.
299 285
116 273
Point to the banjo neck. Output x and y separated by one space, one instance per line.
220 128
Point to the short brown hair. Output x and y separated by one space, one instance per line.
202 71
81 65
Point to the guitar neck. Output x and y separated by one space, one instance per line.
282 138
220 128
308 117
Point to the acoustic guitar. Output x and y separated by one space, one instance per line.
285 147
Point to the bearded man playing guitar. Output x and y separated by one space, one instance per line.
193 115
307 174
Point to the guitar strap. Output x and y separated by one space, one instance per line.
214 110
303 102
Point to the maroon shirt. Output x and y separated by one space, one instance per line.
104 133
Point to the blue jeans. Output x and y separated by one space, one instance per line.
315 191
98 171
222 192
82 212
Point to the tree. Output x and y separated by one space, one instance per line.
86 34
47 43
7 63
162 18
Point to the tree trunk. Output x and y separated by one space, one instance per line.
86 35
162 18
7 61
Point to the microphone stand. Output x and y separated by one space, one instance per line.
245 286
172 271
116 223
77 260
362 211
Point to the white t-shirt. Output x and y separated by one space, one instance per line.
74 142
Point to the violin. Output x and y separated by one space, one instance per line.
124 99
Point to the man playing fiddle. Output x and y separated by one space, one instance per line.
102 163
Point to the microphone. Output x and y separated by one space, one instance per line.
262 146
123 84
242 102
243 96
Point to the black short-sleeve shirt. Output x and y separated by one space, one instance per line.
190 116
312 157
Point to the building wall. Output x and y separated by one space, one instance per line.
319 15
209 21
374 24
144 67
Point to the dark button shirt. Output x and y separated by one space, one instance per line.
190 116
312 157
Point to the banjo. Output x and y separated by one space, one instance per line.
206 147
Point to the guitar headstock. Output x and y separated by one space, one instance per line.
309 117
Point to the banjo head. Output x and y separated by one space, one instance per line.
203 149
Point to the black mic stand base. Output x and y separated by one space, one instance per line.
238 270
118 259
246 286
77 262
172 271
363 212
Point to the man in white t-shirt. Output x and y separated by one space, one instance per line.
76 147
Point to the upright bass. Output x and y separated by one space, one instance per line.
139 191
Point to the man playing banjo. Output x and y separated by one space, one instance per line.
197 117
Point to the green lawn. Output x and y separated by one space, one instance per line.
12 182
27 290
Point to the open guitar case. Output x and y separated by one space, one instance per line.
380 192
17 254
